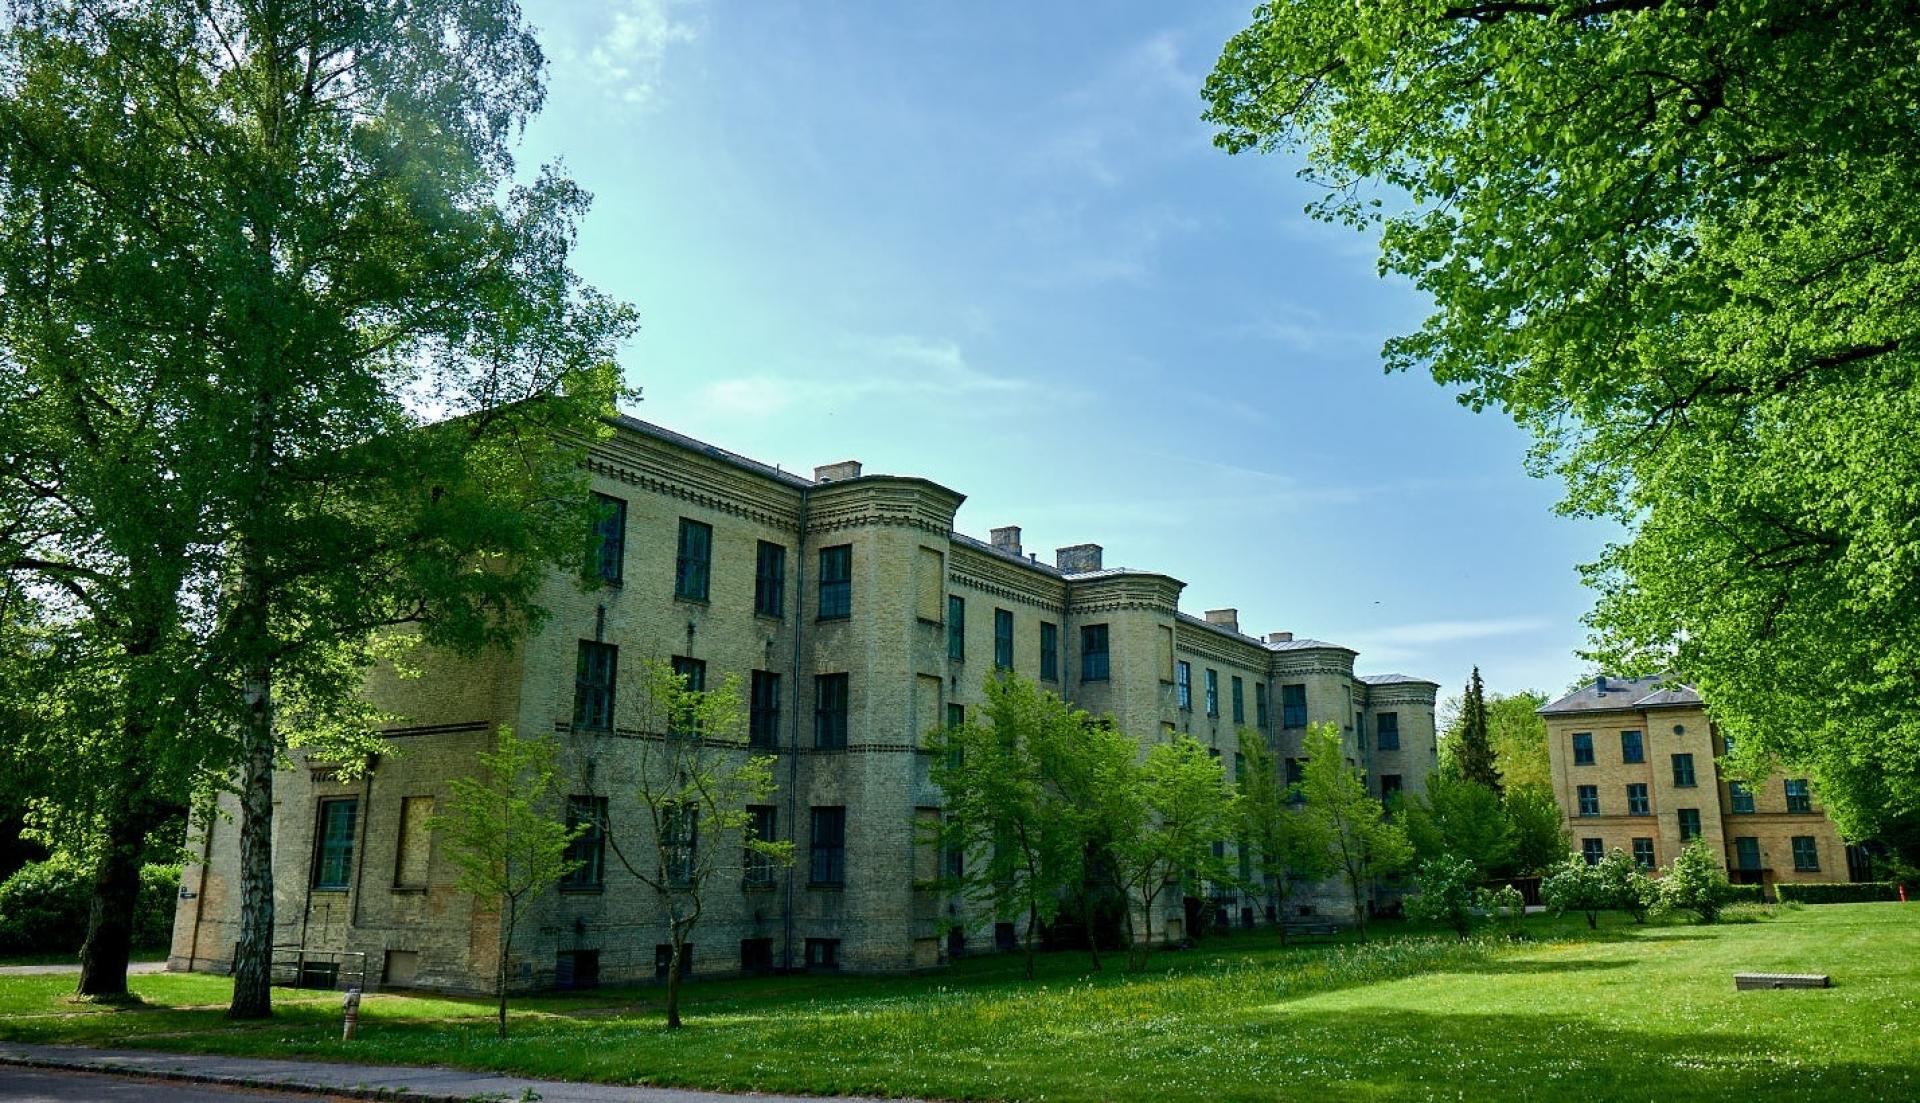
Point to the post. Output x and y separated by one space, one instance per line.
350 1008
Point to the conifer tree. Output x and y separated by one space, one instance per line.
1475 753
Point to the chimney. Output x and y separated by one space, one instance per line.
1279 637
1007 539
1078 559
834 472
1600 686
1225 618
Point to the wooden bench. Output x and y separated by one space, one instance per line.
1297 927
1746 982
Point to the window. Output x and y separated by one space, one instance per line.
663 960
1296 771
1388 733
956 716
609 538
1212 685
576 969
1689 825
762 821
1637 803
1643 852
1726 744
1239 701
593 686
956 627
1183 685
1746 852
1093 653
1583 748
410 864
763 711
1260 705
1799 798
680 824
1683 771
827 847
1740 796
823 953
1806 854
756 956
1593 850
1003 639
770 580
1589 800
1389 785
830 712
696 557
836 582
1293 706
333 856
1049 652
1632 747
590 848
693 678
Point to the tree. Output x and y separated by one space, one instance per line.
1362 846
501 834
695 786
1537 826
1447 893
1463 819
1473 754
1696 883
1673 239
1287 844
1165 835
1576 885
251 250
1629 889
1519 736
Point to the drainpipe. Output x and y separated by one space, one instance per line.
793 738
360 852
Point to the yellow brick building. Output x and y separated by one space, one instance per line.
859 620
1636 765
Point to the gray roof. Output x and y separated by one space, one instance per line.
1221 629
648 428
982 545
1395 680
1605 694
1308 645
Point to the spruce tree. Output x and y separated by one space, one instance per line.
1475 754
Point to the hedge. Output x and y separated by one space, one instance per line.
44 905
1862 892
1745 894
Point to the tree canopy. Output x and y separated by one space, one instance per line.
1676 240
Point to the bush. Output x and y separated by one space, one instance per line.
1573 885
1745 894
1507 908
1446 893
1864 892
1625 887
44 906
1696 883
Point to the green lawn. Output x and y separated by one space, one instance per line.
1632 1013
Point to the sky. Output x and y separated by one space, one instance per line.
993 245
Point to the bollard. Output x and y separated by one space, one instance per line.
350 1008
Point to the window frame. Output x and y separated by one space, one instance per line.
329 849
770 580
593 701
1684 816
956 628
610 540
1210 691
1592 850
1003 639
827 849
590 848
1049 651
1648 860
1183 685
1809 861
1640 802
693 561
763 710
1639 745
1293 714
1386 731
1740 798
1095 662
1799 795
1742 844
1583 749
835 600
1587 799
831 702
1684 774
1262 716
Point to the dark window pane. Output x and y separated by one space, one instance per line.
1389 731
836 581
1683 771
696 554
1293 706
1049 651
1093 653
956 627
1632 748
333 858
609 537
1583 748
589 849
1239 702
763 823
770 580
1799 797
593 686
827 846
1183 685
763 714
830 711
1002 639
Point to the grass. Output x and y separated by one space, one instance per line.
1624 1013
73 958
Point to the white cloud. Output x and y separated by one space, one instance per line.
900 368
621 45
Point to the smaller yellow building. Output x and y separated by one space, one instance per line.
1636 765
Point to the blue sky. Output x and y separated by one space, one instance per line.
992 245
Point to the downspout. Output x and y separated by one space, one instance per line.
793 745
366 835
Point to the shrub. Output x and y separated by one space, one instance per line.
1745 894
44 906
1446 893
1625 887
1573 885
1507 908
1864 892
1696 883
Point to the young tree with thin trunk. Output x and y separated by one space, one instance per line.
501 833
251 249
1362 845
696 782
1287 844
1181 806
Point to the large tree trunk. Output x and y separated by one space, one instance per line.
116 891
673 982
253 955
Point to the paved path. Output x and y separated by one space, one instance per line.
355 1081
74 967
27 1085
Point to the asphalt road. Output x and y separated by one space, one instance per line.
29 1085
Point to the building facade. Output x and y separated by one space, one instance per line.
857 619
1636 765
